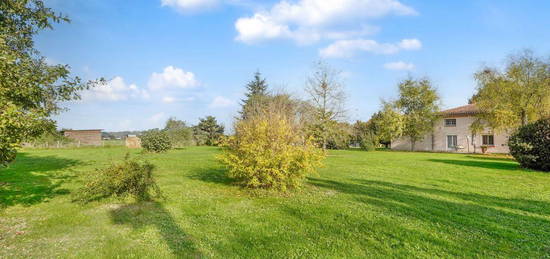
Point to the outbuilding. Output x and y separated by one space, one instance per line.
91 137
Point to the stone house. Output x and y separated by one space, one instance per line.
452 134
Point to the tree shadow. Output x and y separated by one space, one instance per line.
33 179
482 164
518 225
139 215
216 175
493 158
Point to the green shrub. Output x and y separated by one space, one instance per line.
155 141
127 178
267 152
530 145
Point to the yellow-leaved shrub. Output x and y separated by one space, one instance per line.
269 152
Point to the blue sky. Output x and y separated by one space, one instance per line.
192 58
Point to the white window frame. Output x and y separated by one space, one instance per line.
453 137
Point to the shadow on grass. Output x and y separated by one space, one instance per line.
34 179
142 214
492 158
481 164
478 221
211 175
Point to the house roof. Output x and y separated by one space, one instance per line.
469 109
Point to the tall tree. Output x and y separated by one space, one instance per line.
210 130
178 132
419 104
516 95
327 97
256 92
30 89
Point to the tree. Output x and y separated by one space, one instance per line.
515 96
178 132
30 89
209 129
419 104
328 99
256 94
387 123
269 148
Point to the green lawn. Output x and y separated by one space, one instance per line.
362 204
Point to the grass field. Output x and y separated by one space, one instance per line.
362 204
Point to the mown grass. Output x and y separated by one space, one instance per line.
362 204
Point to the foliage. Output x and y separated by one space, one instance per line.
180 135
328 99
387 124
208 131
515 96
129 177
530 145
30 89
256 93
155 141
365 134
269 150
419 105
50 138
339 136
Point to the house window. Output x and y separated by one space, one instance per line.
450 122
488 140
452 141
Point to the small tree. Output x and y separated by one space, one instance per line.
180 135
209 130
155 141
530 145
269 150
387 123
328 98
419 104
515 96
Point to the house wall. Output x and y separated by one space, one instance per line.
86 137
438 140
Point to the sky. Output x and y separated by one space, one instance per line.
192 58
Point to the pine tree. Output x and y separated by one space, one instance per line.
256 92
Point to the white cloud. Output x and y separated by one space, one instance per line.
410 44
189 5
311 20
348 48
115 90
168 99
172 77
399 65
221 102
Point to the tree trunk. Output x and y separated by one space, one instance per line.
523 118
413 143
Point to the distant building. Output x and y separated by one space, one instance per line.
452 133
91 137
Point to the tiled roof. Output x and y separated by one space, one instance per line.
469 109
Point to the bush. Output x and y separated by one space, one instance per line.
268 152
156 141
530 145
129 177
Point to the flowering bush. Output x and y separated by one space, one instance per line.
267 152
156 141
